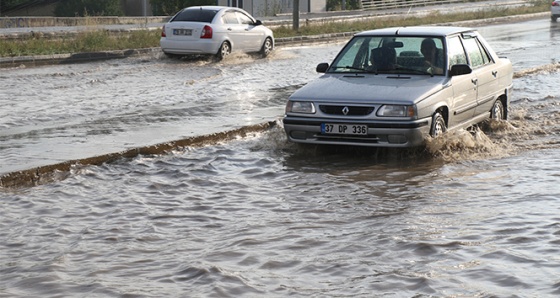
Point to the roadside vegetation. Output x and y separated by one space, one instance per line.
534 7
99 40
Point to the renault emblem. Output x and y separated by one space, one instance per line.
345 111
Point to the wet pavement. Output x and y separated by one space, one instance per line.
67 112
472 215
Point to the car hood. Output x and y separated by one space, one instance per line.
381 88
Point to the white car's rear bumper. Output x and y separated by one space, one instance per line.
201 46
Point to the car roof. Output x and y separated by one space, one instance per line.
211 7
417 31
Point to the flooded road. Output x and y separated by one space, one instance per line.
472 215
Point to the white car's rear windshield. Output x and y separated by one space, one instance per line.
195 15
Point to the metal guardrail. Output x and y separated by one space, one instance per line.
390 4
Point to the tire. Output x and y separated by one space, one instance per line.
553 18
224 51
498 111
438 125
266 47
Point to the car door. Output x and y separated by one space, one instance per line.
465 87
234 30
253 35
486 72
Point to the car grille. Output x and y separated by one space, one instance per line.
351 110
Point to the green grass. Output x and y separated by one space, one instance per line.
91 41
98 40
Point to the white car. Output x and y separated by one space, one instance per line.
394 87
215 30
555 10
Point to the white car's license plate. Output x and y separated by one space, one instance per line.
345 129
182 32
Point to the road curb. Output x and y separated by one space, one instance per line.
46 174
7 62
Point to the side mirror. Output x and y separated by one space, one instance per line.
322 67
460 69
258 23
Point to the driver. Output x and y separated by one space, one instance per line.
433 57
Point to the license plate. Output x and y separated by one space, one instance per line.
344 129
182 32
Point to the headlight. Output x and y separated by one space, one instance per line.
396 111
304 107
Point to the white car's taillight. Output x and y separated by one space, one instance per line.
206 32
163 32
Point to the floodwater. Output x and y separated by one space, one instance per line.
474 214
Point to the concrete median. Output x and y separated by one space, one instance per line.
45 174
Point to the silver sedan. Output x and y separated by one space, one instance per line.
394 87
215 30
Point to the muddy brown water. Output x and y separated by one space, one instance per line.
474 214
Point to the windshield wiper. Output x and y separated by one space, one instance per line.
351 67
368 70
415 70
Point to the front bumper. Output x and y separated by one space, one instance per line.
401 134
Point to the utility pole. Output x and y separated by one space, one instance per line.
295 15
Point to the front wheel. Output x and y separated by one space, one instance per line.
225 49
498 112
266 47
438 125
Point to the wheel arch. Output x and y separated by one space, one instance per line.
231 45
505 98
444 111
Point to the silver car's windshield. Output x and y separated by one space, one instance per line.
398 55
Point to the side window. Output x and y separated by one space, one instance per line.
456 51
485 56
245 19
477 55
230 18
